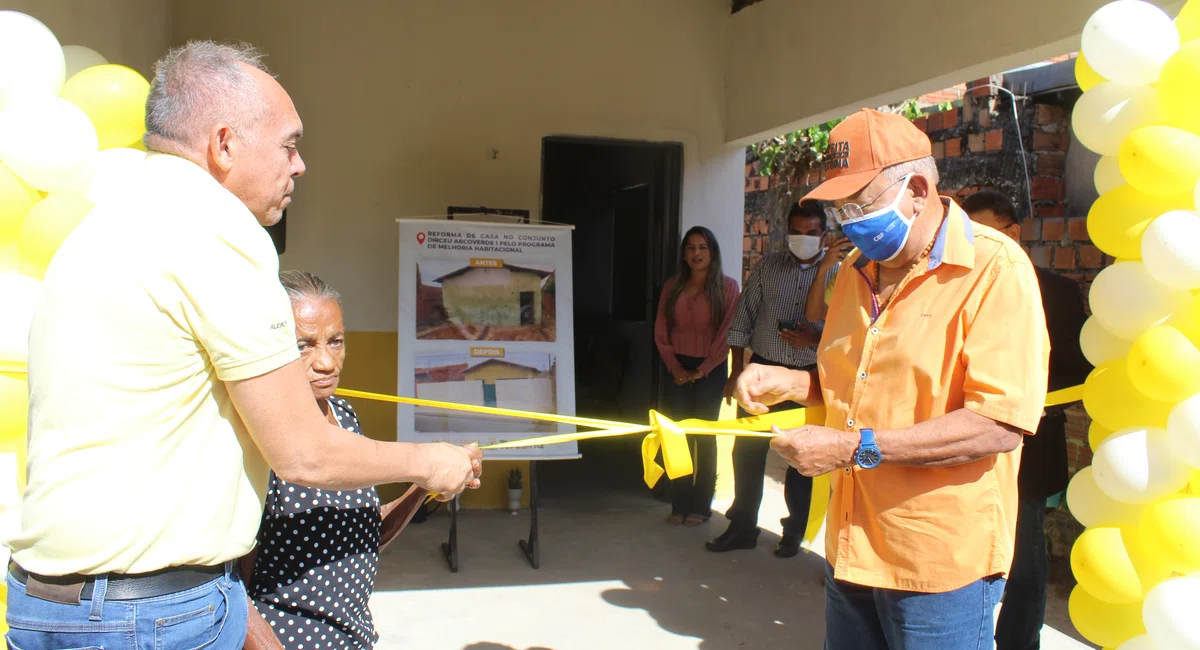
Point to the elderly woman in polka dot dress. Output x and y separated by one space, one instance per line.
318 550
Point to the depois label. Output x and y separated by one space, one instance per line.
487 352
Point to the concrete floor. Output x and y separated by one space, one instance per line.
613 576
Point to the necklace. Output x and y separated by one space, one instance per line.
915 265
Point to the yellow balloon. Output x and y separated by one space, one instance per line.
1085 76
1187 23
1097 434
1164 365
1151 566
1194 486
1187 321
1161 160
14 395
1105 624
114 98
1103 566
45 229
16 199
1178 85
1114 403
1172 530
1118 219
8 258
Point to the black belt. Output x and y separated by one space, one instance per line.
123 586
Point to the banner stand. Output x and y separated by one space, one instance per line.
529 547
486 317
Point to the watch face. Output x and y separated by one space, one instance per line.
868 458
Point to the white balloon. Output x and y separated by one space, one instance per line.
1142 642
1136 466
1108 112
19 296
1128 41
1183 430
79 58
114 172
1170 614
48 143
1126 300
1171 249
31 60
1196 195
1099 345
1108 175
1092 507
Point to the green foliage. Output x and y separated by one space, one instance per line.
798 151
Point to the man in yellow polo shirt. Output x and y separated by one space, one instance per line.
164 383
932 366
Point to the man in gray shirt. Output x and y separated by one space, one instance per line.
770 322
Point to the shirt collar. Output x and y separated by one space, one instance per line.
955 243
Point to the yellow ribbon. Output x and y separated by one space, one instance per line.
667 436
663 434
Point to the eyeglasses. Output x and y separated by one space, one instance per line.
851 212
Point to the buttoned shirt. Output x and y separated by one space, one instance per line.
775 291
964 330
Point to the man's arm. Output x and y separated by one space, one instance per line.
957 438
303 447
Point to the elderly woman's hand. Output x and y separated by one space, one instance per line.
450 469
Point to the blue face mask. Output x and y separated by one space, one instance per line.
881 235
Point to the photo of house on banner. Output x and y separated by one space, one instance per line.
523 381
485 300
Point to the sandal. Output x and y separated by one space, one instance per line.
692 521
675 520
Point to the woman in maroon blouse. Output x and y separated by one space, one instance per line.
694 314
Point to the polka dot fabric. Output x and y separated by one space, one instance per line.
318 554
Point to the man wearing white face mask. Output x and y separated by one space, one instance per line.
932 366
770 321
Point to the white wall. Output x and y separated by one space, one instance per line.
793 64
402 102
130 32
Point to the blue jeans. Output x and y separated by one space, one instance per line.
866 618
210 616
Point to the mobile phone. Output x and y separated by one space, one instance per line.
790 325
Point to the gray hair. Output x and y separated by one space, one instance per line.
926 167
200 84
301 285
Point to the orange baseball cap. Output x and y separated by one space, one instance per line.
862 146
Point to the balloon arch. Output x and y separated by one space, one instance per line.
70 135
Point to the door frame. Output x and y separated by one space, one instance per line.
668 206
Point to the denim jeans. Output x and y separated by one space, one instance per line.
866 618
210 616
1024 610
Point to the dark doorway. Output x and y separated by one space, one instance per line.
623 197
526 298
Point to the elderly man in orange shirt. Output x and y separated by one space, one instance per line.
932 366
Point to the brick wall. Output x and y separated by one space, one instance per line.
976 147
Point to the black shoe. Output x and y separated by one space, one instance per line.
733 540
789 546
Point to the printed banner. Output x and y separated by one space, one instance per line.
485 320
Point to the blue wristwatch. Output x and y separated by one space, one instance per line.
867 455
